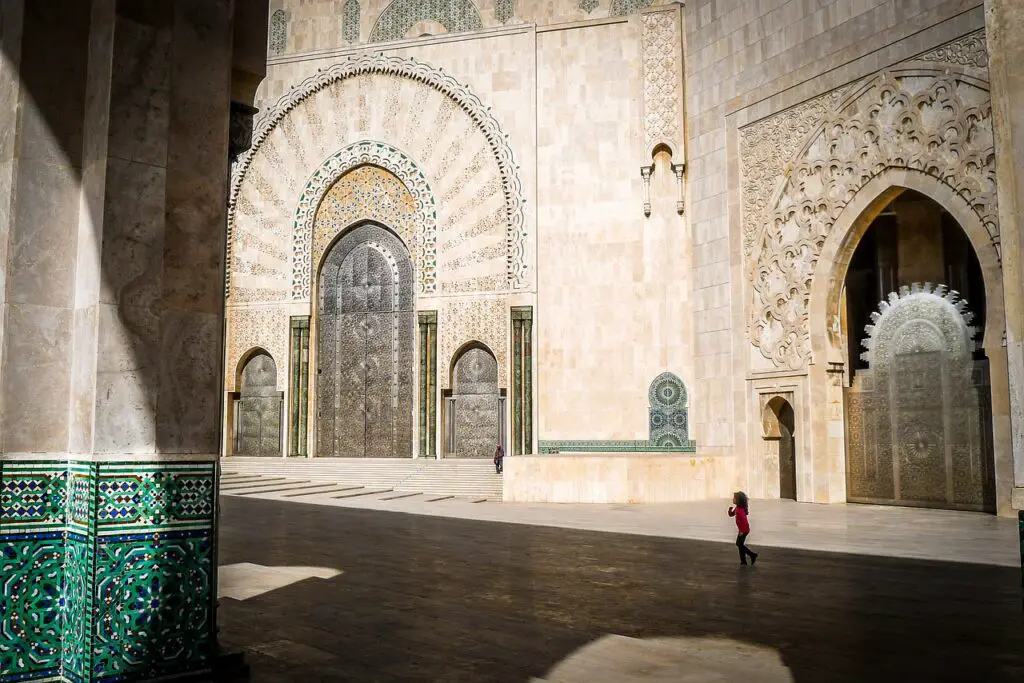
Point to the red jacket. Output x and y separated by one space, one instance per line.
741 519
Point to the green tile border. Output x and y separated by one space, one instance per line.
599 446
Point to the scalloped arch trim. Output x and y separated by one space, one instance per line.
461 95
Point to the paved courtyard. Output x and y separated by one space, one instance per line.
332 593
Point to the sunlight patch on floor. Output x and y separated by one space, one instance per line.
620 659
246 580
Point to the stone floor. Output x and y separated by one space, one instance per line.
413 597
863 529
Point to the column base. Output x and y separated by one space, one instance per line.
108 568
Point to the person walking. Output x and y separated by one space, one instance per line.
499 457
741 510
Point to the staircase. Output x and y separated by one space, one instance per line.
463 478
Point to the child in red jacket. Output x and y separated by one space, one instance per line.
740 510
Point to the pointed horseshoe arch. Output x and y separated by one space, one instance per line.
391 159
899 121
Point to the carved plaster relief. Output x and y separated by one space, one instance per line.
933 122
285 159
248 328
465 320
662 65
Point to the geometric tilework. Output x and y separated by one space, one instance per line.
669 416
504 10
106 570
620 8
31 574
350 21
33 497
401 15
153 610
278 38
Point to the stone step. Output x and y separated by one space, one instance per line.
463 478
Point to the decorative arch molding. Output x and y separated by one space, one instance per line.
244 359
938 123
366 153
854 221
457 16
460 95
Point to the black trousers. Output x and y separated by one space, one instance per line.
498 466
741 543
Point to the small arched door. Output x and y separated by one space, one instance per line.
475 406
780 434
258 425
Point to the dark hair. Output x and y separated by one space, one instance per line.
742 501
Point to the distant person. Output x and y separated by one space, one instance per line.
740 510
499 457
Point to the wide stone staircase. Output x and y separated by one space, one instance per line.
460 478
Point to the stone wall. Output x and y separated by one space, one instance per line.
614 274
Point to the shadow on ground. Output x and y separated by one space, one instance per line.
433 599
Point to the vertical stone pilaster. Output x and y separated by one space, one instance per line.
522 380
428 384
1004 28
298 419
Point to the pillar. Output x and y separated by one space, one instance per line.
114 166
428 384
1004 25
298 419
522 380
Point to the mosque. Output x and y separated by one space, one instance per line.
659 252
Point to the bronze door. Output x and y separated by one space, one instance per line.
476 422
259 409
365 347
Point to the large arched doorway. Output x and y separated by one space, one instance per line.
365 318
917 400
258 408
474 410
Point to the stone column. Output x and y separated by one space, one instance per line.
109 384
1004 23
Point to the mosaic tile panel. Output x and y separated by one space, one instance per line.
611 446
350 21
154 604
106 570
79 554
669 415
589 6
32 497
504 10
278 38
31 577
401 15
620 8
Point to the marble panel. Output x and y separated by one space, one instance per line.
127 379
36 378
140 91
188 400
197 157
42 258
133 237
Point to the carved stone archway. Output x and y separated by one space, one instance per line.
420 236
935 123
457 97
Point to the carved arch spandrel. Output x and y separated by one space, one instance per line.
250 329
292 139
921 120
